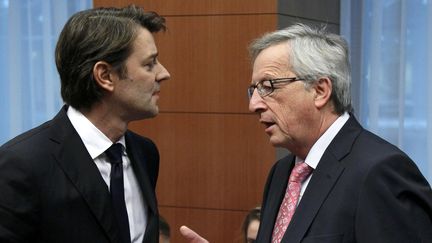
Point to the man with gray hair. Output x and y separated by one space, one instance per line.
340 183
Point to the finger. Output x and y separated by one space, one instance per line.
191 235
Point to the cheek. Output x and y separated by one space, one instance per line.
291 115
284 111
145 86
283 115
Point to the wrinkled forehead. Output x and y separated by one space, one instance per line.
271 61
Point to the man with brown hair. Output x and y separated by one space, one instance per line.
83 176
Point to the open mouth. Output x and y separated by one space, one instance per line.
268 124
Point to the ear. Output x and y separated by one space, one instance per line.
103 76
323 91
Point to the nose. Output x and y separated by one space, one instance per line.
162 74
256 102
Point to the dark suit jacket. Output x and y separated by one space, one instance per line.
363 190
52 191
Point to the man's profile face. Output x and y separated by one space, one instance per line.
138 92
286 112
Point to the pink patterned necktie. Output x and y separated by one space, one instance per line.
289 204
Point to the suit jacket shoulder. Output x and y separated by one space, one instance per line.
363 190
52 190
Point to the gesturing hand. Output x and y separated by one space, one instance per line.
191 235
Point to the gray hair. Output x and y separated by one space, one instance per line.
315 53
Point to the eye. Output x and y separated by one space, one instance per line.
266 84
152 64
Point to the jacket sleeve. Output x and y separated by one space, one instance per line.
395 204
18 200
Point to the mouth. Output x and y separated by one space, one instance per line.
267 125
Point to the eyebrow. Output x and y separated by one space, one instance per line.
152 56
260 80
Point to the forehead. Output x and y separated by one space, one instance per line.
253 228
273 60
144 43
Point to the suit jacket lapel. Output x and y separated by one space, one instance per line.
279 180
321 183
323 179
73 158
142 161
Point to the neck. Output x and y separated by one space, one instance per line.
321 125
106 121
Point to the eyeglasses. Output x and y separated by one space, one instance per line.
266 87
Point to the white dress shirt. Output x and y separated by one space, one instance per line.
320 146
96 143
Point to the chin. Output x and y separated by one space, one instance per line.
279 141
276 143
151 114
145 114
151 111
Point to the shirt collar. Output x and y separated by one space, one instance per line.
94 140
320 146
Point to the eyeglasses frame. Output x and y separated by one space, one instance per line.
251 88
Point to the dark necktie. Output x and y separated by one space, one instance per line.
114 154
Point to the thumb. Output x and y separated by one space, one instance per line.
191 235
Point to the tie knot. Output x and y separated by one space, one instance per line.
114 153
300 172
